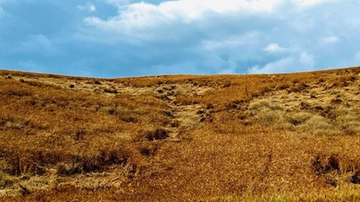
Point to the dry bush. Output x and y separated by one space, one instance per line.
348 121
110 90
313 94
318 125
351 127
268 116
298 118
6 180
93 161
267 112
152 135
64 169
298 87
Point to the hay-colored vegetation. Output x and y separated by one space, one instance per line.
283 137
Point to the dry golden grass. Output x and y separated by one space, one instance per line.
283 137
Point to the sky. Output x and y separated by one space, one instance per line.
121 38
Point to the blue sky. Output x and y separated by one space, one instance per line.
118 38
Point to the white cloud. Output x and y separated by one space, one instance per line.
87 7
282 65
263 35
152 22
145 21
308 3
303 62
274 48
230 67
330 39
130 37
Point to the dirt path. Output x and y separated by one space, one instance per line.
184 116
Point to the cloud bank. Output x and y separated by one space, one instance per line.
130 38
235 36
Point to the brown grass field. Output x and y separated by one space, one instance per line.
280 137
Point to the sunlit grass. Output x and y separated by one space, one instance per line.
284 137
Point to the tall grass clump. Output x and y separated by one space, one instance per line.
267 112
298 118
318 125
6 180
348 121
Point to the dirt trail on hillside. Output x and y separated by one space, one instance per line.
184 116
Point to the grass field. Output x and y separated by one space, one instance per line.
280 137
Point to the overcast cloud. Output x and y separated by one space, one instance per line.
115 38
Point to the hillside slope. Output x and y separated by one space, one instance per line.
174 138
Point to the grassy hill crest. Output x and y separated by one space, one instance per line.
271 137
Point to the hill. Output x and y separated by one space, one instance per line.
279 137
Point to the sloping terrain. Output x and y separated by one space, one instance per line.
281 137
